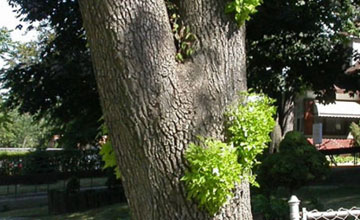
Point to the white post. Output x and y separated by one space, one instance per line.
304 215
294 203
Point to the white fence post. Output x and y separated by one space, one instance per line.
294 203
304 214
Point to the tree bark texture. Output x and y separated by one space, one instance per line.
154 107
286 114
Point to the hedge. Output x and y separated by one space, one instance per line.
48 166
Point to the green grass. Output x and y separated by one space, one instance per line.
341 189
331 197
15 153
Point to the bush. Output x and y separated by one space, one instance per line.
11 163
112 181
73 185
38 162
297 164
270 208
40 167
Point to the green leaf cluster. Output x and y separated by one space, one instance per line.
5 41
109 157
213 173
216 167
184 38
22 130
242 9
249 125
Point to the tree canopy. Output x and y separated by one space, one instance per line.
57 81
292 46
297 45
21 130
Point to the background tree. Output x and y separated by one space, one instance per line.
292 45
53 77
21 130
298 45
154 106
5 41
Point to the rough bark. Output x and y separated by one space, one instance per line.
276 137
285 115
154 106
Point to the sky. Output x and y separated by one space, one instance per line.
8 19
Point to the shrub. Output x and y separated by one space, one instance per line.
271 208
297 164
73 185
42 166
38 162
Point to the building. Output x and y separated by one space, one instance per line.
333 120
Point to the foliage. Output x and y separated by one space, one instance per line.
297 164
5 41
53 77
339 159
56 79
20 131
6 154
38 162
242 9
73 185
108 155
113 180
50 162
272 208
355 132
184 39
297 45
292 140
249 125
212 175
216 167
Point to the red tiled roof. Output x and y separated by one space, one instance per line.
334 144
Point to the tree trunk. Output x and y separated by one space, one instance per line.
154 107
276 137
286 114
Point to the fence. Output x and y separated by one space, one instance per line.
28 173
341 214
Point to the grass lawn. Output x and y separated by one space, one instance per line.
341 189
331 197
